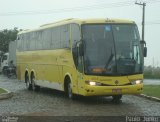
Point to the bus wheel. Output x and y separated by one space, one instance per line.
117 98
34 86
70 94
4 71
28 85
69 91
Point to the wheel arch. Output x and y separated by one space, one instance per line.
25 74
33 73
67 79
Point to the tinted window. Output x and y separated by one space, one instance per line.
51 38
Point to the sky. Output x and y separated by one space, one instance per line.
29 14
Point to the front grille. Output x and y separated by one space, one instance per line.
116 85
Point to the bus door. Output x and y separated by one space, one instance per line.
80 67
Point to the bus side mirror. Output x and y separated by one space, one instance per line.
81 50
145 52
144 48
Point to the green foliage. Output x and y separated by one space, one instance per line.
2 90
152 90
5 37
152 72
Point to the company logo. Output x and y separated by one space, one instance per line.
116 82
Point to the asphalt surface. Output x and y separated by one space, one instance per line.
151 81
49 102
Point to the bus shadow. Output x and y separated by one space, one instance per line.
91 100
96 100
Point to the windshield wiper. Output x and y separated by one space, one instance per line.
109 61
120 58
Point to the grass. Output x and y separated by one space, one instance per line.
152 90
2 91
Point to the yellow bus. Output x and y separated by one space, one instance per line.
88 57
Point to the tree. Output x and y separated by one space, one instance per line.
5 37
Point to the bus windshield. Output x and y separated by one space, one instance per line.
112 49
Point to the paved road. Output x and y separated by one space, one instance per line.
151 82
54 103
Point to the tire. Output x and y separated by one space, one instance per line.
69 91
117 98
34 86
4 70
28 85
8 73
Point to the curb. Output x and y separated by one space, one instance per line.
7 95
149 97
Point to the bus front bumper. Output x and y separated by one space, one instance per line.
112 90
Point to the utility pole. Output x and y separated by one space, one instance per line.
143 22
143 18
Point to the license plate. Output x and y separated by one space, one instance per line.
116 90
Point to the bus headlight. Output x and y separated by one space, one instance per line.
92 83
136 82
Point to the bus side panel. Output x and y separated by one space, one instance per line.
20 66
69 69
18 72
44 63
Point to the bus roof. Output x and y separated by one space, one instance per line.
78 21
